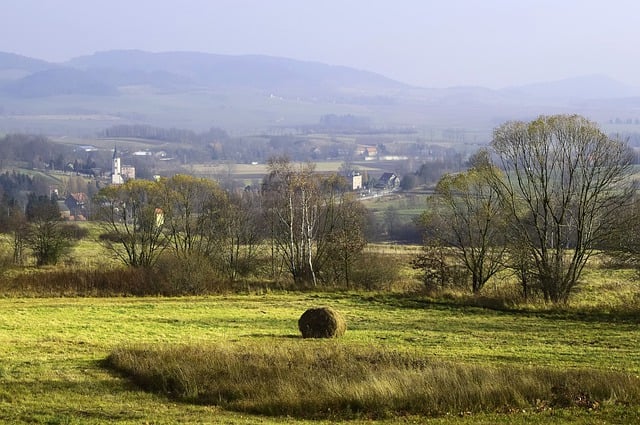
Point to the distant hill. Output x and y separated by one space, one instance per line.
102 72
58 82
254 93
577 88
159 79
11 61
254 71
13 67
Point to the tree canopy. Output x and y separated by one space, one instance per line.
563 179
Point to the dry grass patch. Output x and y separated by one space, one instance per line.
328 380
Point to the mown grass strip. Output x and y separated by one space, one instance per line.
328 380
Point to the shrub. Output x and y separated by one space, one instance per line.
73 231
193 275
375 271
439 270
87 282
322 322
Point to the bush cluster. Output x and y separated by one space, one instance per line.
100 283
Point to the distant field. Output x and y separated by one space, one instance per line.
262 169
406 206
239 112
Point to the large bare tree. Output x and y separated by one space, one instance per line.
309 216
342 228
563 179
292 200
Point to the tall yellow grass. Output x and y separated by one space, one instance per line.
328 380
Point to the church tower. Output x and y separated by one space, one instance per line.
116 170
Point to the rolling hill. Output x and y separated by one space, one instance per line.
252 71
254 93
12 61
59 81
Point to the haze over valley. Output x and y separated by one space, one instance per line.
443 72
255 94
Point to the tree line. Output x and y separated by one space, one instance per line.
311 226
540 203
176 135
297 223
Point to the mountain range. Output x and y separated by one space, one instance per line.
191 89
102 73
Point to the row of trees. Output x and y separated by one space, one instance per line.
176 135
552 193
310 222
549 203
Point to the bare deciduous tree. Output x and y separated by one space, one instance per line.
563 178
343 228
291 197
193 215
310 218
133 221
44 235
466 214
242 233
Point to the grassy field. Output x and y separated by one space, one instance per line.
51 350
407 207
261 170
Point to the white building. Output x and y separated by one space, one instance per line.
116 169
121 173
355 180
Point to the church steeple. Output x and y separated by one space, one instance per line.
116 170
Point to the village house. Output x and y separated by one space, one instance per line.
388 181
355 180
128 172
78 204
367 152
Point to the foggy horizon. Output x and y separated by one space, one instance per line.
495 44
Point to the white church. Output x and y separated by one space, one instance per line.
120 173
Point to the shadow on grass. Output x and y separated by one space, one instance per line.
275 336
482 304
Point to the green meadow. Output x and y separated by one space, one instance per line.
53 352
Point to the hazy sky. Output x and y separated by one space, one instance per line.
431 43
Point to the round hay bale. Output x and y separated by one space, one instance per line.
322 322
